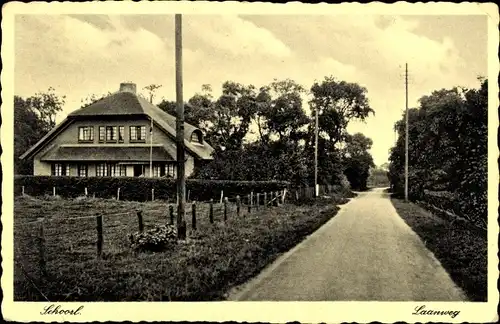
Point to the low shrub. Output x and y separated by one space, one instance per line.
139 189
156 239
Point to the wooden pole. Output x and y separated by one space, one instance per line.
277 198
171 212
152 194
225 209
99 236
118 194
54 191
221 195
181 181
258 201
41 246
251 198
193 220
86 192
22 190
238 205
283 197
316 126
265 199
406 136
211 211
139 218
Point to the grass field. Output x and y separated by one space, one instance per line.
205 266
461 250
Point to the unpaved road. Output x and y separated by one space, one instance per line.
366 252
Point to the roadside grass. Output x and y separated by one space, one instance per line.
461 250
213 259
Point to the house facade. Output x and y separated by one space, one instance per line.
119 135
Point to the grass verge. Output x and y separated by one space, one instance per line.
461 250
213 259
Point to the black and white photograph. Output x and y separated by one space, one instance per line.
259 162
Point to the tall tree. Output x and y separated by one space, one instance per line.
33 118
357 160
338 102
151 89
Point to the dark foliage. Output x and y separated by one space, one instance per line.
139 189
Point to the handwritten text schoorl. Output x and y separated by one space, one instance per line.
58 310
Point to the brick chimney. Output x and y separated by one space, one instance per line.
128 87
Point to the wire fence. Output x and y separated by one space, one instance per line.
48 237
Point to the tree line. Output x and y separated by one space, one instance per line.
448 135
258 133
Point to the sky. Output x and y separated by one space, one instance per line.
79 55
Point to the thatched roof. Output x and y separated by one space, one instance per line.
125 103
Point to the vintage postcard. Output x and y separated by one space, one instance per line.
249 162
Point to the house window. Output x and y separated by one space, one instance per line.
111 170
196 137
170 170
86 134
82 170
158 170
121 133
111 134
60 169
101 170
102 133
138 133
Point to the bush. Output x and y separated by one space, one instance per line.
154 240
139 189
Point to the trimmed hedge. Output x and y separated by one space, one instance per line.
139 189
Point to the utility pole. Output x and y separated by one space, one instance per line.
179 131
316 189
406 137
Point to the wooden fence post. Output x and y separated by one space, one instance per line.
265 199
22 190
283 197
152 194
251 198
118 194
249 201
41 246
277 203
296 195
193 219
258 201
238 205
54 191
225 209
221 195
139 218
86 192
211 211
171 212
99 236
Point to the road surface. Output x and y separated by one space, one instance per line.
365 253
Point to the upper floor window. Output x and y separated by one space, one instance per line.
102 133
111 134
121 133
86 134
196 137
138 133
